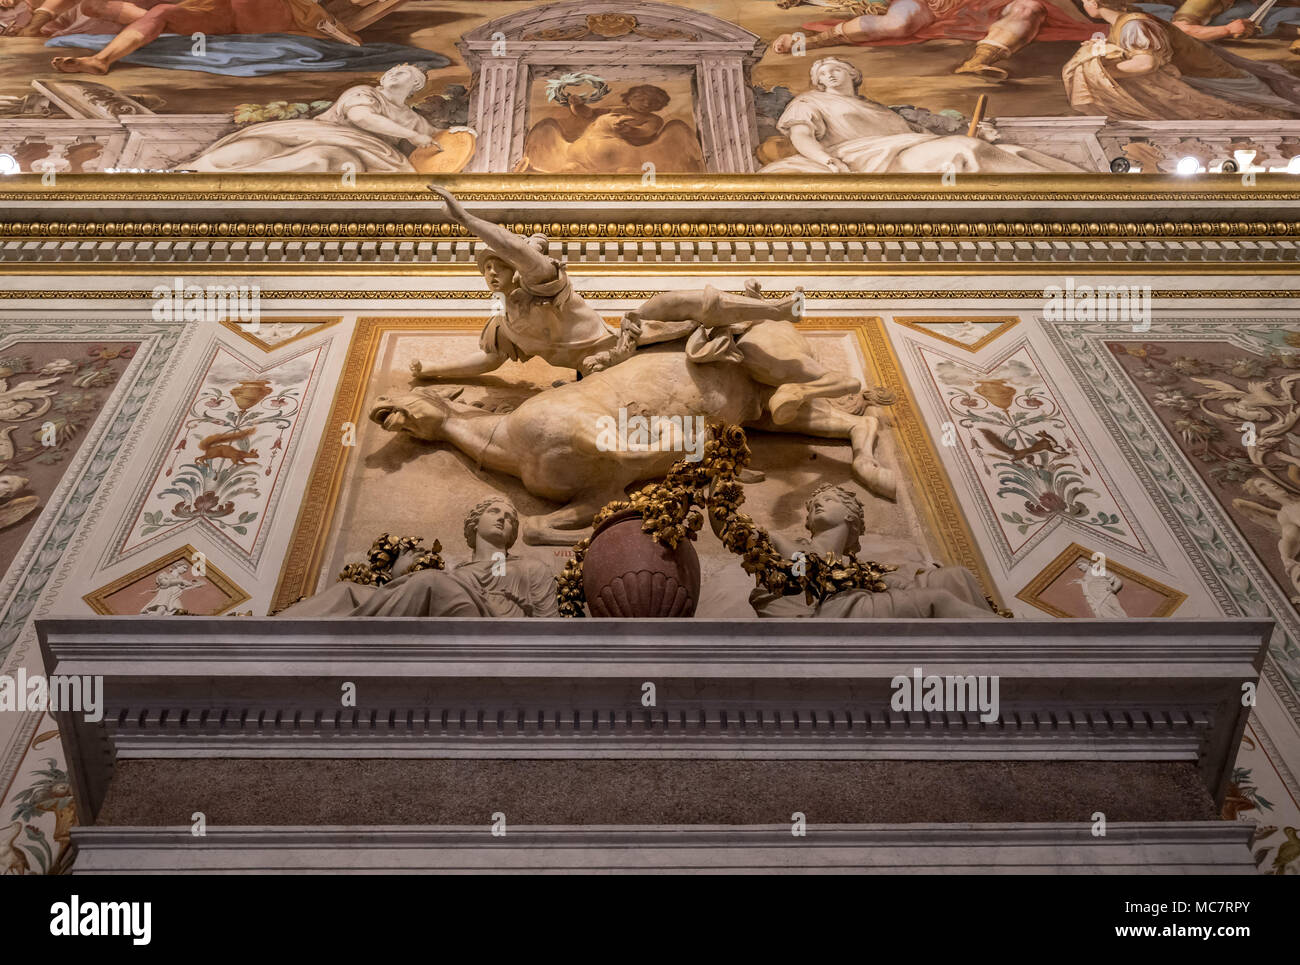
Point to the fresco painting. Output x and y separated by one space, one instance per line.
823 87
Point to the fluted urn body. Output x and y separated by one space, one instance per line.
627 573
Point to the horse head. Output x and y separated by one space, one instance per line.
420 412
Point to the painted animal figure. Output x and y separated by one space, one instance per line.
218 447
13 860
552 441
1046 443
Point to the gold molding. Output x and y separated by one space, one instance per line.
890 269
646 228
937 498
97 599
305 556
1173 598
915 322
430 294
627 188
318 322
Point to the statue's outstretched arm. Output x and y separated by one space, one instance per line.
533 266
476 363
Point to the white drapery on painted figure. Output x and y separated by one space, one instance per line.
862 137
362 128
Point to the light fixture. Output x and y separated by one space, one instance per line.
8 164
1188 165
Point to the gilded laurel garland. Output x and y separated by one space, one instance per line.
384 552
675 510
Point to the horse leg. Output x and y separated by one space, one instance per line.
777 355
572 521
819 418
711 307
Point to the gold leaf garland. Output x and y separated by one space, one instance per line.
384 552
671 512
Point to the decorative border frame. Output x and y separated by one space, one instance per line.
914 322
936 499
984 504
116 552
1173 598
97 599
319 322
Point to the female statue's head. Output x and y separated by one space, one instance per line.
495 521
403 80
833 74
830 506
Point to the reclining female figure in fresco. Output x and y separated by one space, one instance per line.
490 584
362 128
834 128
544 317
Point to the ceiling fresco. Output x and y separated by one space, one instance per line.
943 87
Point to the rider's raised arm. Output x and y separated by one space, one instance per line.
533 266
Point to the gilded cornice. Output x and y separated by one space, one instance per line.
666 188
854 294
700 230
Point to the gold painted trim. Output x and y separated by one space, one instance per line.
306 553
643 228
432 294
98 599
937 498
887 269
915 322
319 324
304 560
1173 598
244 188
